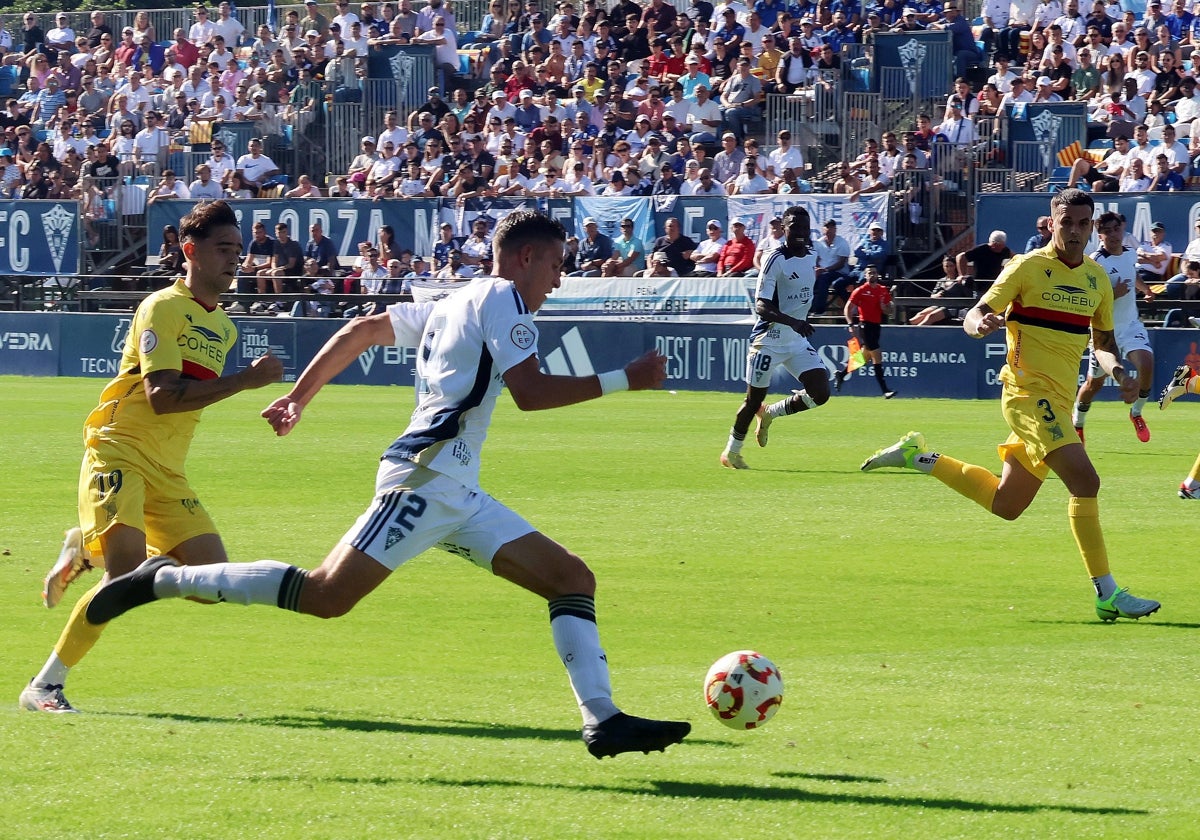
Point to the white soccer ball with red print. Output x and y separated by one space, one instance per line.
743 689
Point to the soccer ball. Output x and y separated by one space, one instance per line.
743 689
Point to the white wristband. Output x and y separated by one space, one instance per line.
613 380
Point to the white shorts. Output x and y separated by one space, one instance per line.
797 356
1130 337
416 508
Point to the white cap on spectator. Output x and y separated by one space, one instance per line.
312 33
737 221
713 223
1045 80
498 94
369 139
659 256
875 226
589 221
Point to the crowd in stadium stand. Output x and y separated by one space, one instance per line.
635 99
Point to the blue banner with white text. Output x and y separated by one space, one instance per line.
918 361
39 238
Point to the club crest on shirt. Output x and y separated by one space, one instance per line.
522 336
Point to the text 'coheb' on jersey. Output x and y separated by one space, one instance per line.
1050 308
171 330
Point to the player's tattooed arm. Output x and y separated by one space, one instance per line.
169 393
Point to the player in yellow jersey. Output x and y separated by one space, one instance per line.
1048 301
1184 381
133 493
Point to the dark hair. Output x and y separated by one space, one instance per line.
205 218
1072 198
171 230
798 215
526 227
1110 217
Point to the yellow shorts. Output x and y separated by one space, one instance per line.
1040 424
118 486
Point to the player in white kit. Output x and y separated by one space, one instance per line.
471 345
780 337
1133 342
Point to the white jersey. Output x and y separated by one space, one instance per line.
470 339
787 282
1128 329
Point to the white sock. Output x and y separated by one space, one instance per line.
1105 586
777 409
263 582
1191 483
577 641
734 444
925 461
54 672
1135 410
1079 415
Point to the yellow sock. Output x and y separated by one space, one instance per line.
1194 475
79 635
976 483
1084 516
1193 384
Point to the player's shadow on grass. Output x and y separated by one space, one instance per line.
1150 622
460 728
741 793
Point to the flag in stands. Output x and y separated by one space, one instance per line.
1070 154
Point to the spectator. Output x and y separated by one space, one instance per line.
660 266
833 258
476 249
629 254
287 263
750 181
674 245
168 187
740 98
952 285
259 255
1154 257
707 254
983 262
737 255
771 240
321 248
875 251
594 250
1040 239
1183 286
255 168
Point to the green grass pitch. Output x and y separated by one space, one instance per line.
946 674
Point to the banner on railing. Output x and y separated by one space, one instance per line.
924 57
415 221
1017 213
39 237
918 361
690 299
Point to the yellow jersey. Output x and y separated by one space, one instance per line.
171 331
1049 309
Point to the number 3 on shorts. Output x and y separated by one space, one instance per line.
1049 415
